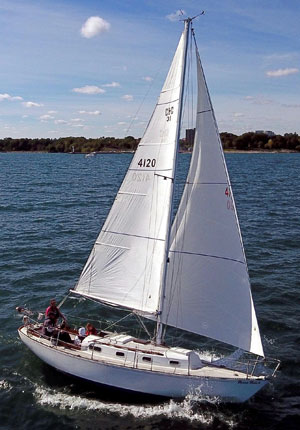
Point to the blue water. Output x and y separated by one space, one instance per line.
52 207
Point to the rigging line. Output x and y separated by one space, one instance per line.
143 325
116 322
141 104
102 302
146 95
63 300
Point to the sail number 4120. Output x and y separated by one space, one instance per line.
147 162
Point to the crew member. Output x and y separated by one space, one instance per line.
55 310
49 327
90 329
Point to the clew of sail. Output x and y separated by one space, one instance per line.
125 266
208 288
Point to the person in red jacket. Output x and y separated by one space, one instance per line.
90 329
54 309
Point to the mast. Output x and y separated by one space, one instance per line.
159 327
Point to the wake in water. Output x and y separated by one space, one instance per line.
5 385
187 410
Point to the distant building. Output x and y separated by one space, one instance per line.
189 136
267 132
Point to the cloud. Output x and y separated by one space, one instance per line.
5 97
77 119
122 123
93 26
282 72
274 58
89 89
294 106
259 100
238 114
9 97
128 97
51 112
32 104
174 16
148 79
60 121
95 112
113 85
46 117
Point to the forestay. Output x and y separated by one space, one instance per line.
126 264
208 289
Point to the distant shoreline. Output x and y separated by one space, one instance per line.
252 142
226 151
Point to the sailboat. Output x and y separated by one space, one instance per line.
187 271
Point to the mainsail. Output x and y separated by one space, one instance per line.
126 265
208 289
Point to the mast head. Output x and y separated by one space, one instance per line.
189 19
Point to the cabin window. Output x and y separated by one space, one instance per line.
149 359
120 354
174 362
95 348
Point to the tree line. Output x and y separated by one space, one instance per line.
261 142
246 142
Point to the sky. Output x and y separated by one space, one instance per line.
95 67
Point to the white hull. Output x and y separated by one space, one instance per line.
159 383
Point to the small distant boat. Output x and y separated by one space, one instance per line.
190 273
90 154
